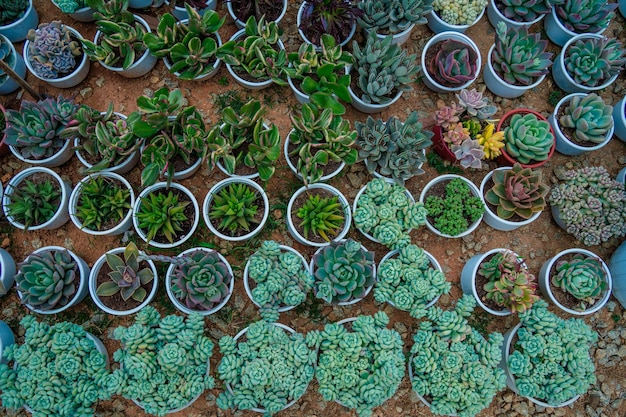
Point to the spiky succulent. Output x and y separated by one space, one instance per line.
322 216
70 6
585 16
48 279
517 191
162 215
594 61
453 213
335 17
393 16
235 208
52 50
590 118
102 201
12 10
32 203
526 10
453 64
459 12
343 271
583 277
126 277
528 139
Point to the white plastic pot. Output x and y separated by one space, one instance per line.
295 170
438 25
498 86
9 85
370 108
617 266
216 65
397 38
495 16
6 339
63 155
304 37
241 24
84 14
7 272
619 118
17 30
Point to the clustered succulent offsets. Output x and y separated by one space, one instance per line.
457 210
459 12
583 277
590 118
12 10
52 50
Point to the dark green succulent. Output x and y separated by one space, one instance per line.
126 277
102 201
162 214
12 10
33 203
453 213
323 216
235 208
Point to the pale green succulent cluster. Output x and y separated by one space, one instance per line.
410 281
163 361
590 117
393 16
385 211
281 279
583 277
269 369
528 138
551 360
459 12
59 371
361 368
458 374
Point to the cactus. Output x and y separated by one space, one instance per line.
52 50
583 277
453 64
590 118
594 61
393 16
585 16
527 138
126 277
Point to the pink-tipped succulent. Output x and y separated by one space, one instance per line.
126 277
456 135
447 115
469 153
454 63
475 104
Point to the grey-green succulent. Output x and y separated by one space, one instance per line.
583 277
594 61
528 138
393 16
585 16
8 56
526 10
590 118
53 52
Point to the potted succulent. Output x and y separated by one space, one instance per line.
172 370
51 280
386 213
101 204
36 199
410 279
393 149
344 272
17 17
581 123
514 197
535 365
236 209
240 11
180 7
451 61
318 214
500 282
336 17
516 13
453 204
33 132
619 119
68 376
9 55
517 61
360 363
7 338
587 63
455 15
7 272
53 54
266 372
568 19
396 18
528 138
578 188
276 279
77 9
616 266
320 144
385 71
452 368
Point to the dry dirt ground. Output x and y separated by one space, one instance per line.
536 242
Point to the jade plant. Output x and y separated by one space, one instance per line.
590 119
386 211
58 371
453 63
162 215
592 62
334 17
32 203
343 271
528 139
551 359
235 208
102 203
453 367
395 16
583 277
53 51
393 148
459 12
409 281
360 363
453 213
126 277
269 369
12 10
585 16
322 216
163 362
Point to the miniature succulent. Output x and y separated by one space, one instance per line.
491 141
335 17
526 10
585 16
393 16
8 57
343 271
32 203
280 278
473 103
48 280
551 358
409 281
35 130
385 211
394 148
163 362
12 10
235 208
453 64
102 201
360 368
243 9
58 371
322 216
269 369
456 211
594 61
162 214
70 6
590 118
469 153
459 12
520 57
528 138
52 50
517 191
591 204
583 277
453 365
384 69
126 277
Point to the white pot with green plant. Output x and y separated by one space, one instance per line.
18 17
241 10
385 19
15 61
461 16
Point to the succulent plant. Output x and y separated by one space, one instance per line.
126 277
453 64
585 16
517 191
469 153
590 118
384 69
459 12
52 50
456 211
8 57
343 271
519 57
526 10
473 103
12 10
453 365
235 208
491 141
102 201
551 358
70 6
528 138
593 61
335 17
243 9
57 371
162 214
48 279
35 130
323 216
581 276
361 368
393 16
32 203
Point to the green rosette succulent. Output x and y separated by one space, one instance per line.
583 277
125 277
526 10
528 139
590 118
585 16
393 16
592 62
12 10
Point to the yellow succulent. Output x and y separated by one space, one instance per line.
491 141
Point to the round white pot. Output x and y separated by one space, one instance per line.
63 155
449 177
7 272
122 226
397 38
59 218
156 188
81 290
556 31
16 31
295 170
428 80
216 188
498 86
341 198
216 65
491 218
10 85
300 96
621 175
304 37
6 339
241 24
438 25
619 119
563 144
93 285
180 12
495 16
617 266
370 108
182 307
544 279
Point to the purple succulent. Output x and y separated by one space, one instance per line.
469 153
454 63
